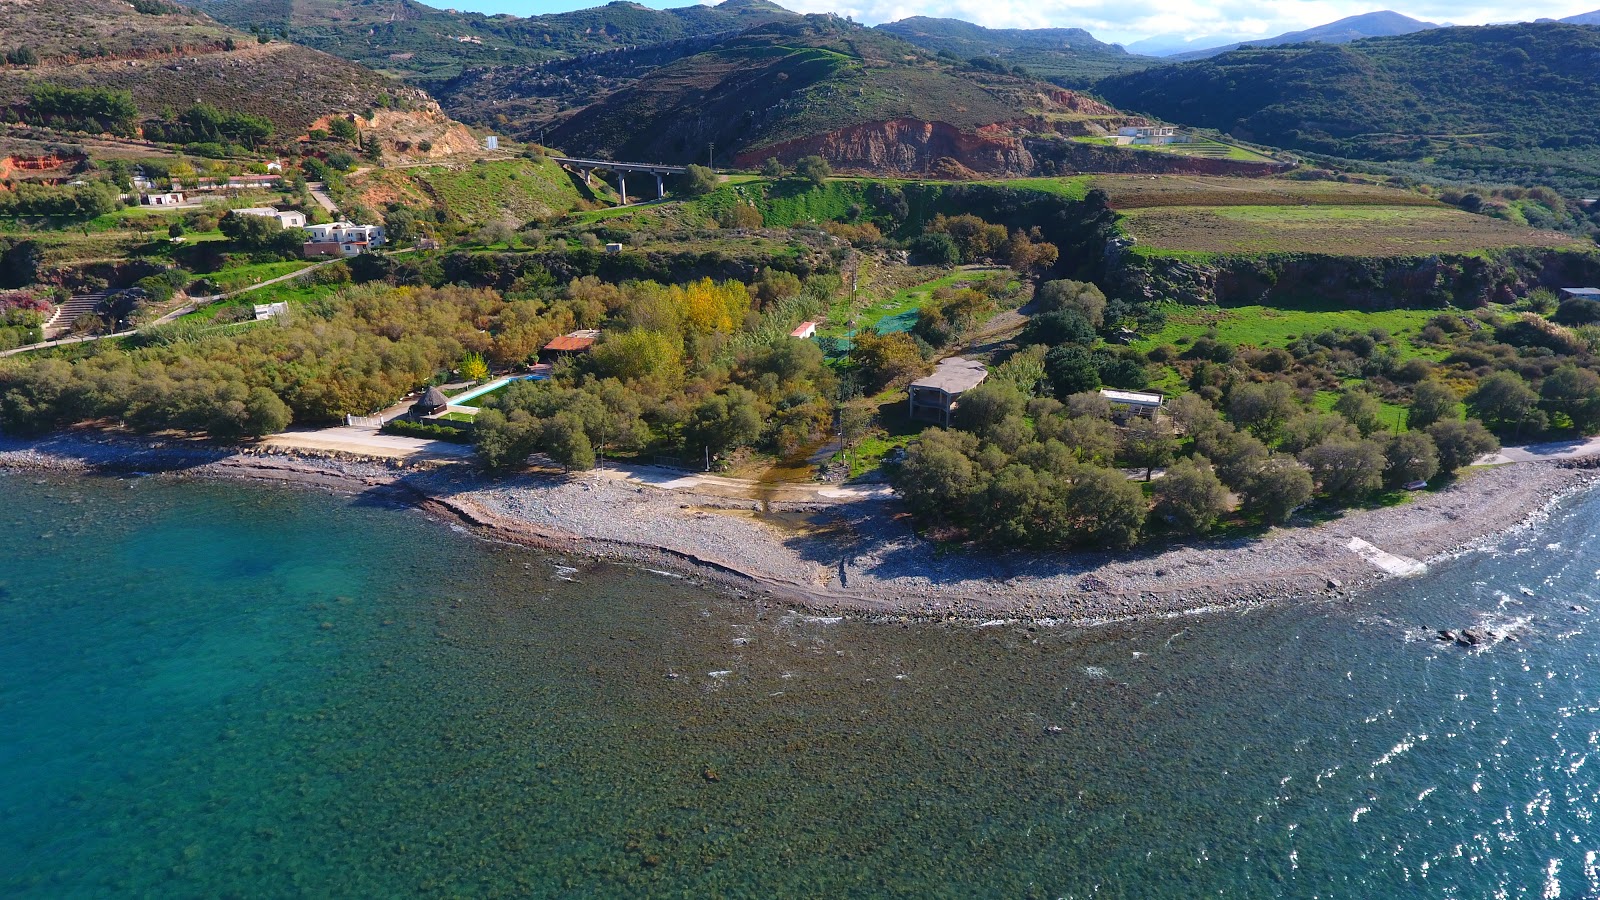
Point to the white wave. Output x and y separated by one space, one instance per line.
1360 811
1401 748
720 673
1094 671
1552 880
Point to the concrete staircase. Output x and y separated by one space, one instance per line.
61 322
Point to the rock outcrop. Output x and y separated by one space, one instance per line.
909 146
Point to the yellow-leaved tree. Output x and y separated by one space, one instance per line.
707 306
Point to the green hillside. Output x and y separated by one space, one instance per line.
429 45
1067 56
167 58
785 82
1513 103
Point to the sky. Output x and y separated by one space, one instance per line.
1121 21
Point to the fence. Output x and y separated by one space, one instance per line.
363 421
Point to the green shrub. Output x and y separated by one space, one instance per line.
408 428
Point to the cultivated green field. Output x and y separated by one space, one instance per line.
1335 230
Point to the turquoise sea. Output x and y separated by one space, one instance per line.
222 690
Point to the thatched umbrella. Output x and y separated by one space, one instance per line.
434 401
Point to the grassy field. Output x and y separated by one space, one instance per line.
236 277
294 292
1209 149
524 189
1075 187
1338 230
1199 147
1266 326
1393 415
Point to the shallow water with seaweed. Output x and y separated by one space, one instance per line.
216 689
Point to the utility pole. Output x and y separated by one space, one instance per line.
711 156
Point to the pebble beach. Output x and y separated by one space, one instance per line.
863 557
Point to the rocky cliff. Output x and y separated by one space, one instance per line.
906 145
1358 282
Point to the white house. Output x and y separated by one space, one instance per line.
805 331
1148 135
343 239
266 311
1138 403
290 219
171 198
491 143
348 233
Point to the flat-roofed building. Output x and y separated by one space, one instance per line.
934 398
293 218
1135 403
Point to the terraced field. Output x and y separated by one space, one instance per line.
1337 230
1144 191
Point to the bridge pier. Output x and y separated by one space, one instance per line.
587 167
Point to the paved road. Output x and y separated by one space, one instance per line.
319 193
1537 452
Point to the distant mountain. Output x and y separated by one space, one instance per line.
1501 103
1168 44
966 39
1059 54
428 45
1588 18
861 97
169 57
1373 24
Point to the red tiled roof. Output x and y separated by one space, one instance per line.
569 344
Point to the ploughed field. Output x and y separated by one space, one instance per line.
1143 191
1181 215
1334 230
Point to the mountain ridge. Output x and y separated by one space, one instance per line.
169 57
1382 23
1506 103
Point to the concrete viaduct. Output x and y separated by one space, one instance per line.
587 167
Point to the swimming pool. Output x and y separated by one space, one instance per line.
491 387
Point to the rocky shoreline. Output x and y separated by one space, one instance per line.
863 557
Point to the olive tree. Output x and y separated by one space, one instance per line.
1346 470
1191 497
1278 488
1460 443
1410 456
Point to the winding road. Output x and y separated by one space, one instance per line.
193 304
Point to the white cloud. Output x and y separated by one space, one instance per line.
1128 20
